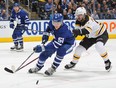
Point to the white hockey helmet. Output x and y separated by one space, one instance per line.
80 10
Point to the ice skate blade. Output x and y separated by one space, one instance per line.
12 49
20 50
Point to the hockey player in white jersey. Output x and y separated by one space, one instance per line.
95 33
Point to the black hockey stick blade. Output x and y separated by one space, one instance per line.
8 70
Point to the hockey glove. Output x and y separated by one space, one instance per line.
12 25
45 37
26 27
39 48
75 33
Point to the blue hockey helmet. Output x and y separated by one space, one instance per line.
57 20
57 17
16 5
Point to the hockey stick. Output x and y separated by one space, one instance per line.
26 60
6 69
35 30
11 71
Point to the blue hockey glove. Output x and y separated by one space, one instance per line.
39 48
12 25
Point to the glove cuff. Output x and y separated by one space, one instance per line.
43 48
46 33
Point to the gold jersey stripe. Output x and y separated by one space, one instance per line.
102 28
100 31
97 32
89 29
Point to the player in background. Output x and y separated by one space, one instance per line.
22 20
95 33
62 44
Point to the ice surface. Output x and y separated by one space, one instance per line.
88 73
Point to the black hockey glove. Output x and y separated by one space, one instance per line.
75 32
45 37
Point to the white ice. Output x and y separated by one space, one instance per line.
88 73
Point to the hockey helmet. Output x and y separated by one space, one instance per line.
80 10
57 18
16 5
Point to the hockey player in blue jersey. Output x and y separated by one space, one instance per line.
62 44
21 18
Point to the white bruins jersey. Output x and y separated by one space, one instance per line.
94 28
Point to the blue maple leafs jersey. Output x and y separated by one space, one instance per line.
61 36
21 17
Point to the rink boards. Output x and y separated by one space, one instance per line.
37 27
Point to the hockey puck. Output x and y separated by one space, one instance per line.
37 82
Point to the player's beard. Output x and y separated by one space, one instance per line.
81 19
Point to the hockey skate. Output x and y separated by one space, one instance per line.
14 47
108 66
19 48
34 70
69 66
50 71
